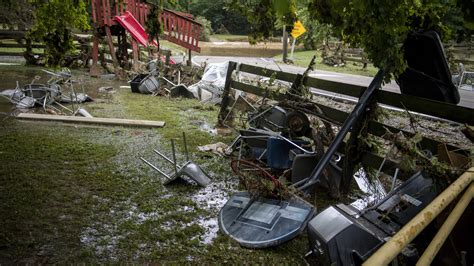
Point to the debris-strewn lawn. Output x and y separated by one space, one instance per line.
75 193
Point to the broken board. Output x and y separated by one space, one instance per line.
261 222
92 120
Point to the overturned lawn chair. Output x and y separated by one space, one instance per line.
189 169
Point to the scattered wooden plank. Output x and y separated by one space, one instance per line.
93 120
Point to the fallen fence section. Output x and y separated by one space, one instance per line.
457 113
92 120
443 110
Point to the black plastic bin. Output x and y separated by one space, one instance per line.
135 83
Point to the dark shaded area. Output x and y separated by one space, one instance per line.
427 74
215 11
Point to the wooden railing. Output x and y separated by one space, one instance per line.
104 11
181 30
179 27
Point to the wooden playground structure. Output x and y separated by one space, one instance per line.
179 28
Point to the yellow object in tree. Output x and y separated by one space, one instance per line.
298 29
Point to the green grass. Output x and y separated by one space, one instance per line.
74 193
20 50
302 58
175 49
229 38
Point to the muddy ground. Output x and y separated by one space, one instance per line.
76 193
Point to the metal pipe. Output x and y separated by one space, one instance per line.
356 114
164 157
400 240
174 157
394 179
154 167
169 81
446 228
185 147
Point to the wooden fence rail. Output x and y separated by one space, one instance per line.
447 111
432 108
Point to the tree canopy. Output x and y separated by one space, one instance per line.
219 15
380 27
17 13
55 20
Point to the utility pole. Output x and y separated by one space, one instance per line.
285 45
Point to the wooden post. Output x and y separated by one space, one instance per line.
189 62
94 70
123 60
225 96
285 44
136 56
111 47
167 54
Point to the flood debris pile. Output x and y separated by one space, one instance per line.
286 153
178 80
58 90
286 150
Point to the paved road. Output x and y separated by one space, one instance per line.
467 97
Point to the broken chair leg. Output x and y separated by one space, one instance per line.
155 168
189 169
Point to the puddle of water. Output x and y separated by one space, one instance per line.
25 75
207 128
211 228
212 197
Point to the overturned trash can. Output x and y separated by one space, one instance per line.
145 84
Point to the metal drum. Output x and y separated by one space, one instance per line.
145 84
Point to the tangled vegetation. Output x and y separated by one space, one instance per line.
379 27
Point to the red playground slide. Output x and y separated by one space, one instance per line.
130 23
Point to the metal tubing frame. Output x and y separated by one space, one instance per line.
166 158
446 228
175 166
185 147
359 109
390 250
155 168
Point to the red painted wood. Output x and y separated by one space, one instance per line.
132 6
103 14
94 17
129 22
179 27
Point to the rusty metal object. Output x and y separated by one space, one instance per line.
446 228
394 246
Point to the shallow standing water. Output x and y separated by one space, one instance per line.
24 75
76 193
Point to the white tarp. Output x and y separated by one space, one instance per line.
212 82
